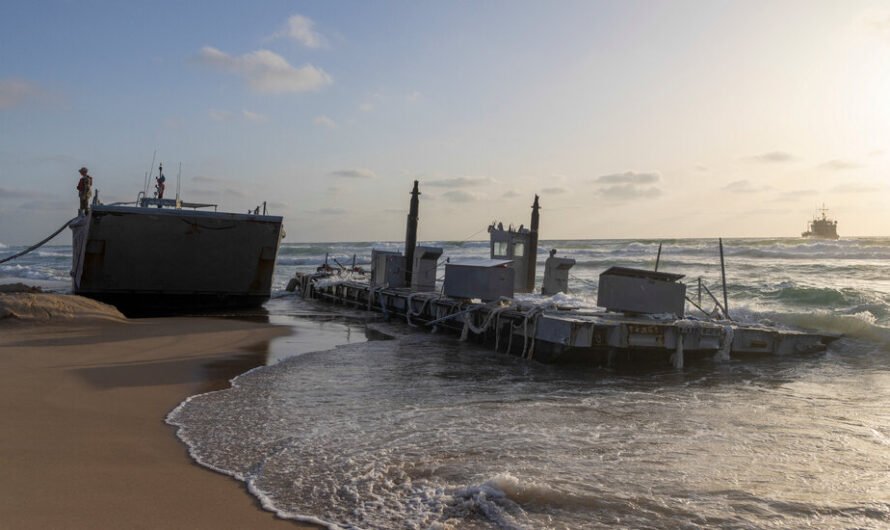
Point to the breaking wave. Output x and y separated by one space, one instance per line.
862 325
32 272
420 432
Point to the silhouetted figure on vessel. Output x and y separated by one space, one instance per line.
160 185
84 190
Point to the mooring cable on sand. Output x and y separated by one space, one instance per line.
38 245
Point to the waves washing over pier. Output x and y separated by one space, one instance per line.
408 429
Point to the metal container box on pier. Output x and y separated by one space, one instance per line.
387 268
484 279
424 268
641 291
556 275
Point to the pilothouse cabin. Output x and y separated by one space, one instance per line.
520 246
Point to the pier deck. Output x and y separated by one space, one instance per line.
537 328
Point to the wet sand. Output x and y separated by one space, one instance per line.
83 443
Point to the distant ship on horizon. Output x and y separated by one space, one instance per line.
821 227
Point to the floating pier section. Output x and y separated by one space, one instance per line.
546 332
644 320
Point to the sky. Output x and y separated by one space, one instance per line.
631 119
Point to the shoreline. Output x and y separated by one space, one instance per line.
84 443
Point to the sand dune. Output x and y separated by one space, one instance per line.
24 303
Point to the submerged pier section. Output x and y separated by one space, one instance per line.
542 330
643 321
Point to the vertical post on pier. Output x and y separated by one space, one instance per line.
699 290
411 233
178 187
658 257
723 276
532 263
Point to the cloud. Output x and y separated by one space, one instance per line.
174 122
876 152
13 193
459 182
855 187
629 185
301 29
16 92
227 192
414 97
211 180
45 204
56 159
460 196
510 194
626 192
701 167
744 186
839 165
766 211
876 22
359 173
234 193
794 195
366 107
266 71
324 121
225 115
629 177
772 157
219 115
254 117
330 211
556 190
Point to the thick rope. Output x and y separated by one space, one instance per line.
723 353
677 356
38 245
410 304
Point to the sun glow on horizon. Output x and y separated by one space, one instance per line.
689 119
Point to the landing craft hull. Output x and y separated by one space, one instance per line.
147 260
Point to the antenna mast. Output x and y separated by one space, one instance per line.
148 175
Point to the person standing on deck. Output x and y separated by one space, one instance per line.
84 190
160 185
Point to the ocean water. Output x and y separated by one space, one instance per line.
400 428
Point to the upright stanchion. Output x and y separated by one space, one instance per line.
658 257
411 233
699 290
723 276
532 264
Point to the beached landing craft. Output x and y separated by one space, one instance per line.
641 314
160 254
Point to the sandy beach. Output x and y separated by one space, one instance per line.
83 443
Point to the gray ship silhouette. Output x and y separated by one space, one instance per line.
165 256
821 227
